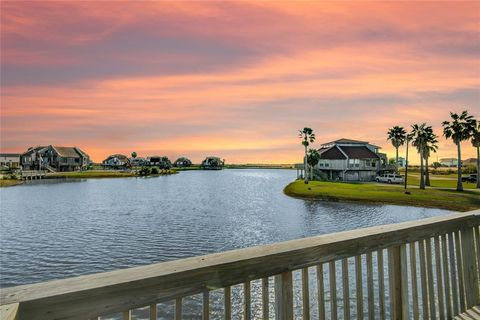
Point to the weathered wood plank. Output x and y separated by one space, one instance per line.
423 279
438 273
265 299
371 297
206 305
346 289
470 268
404 281
333 290
127 315
284 296
9 311
359 286
227 302
453 273
178 308
106 293
381 283
305 294
446 277
247 304
153 311
431 291
320 292
461 280
413 273
395 275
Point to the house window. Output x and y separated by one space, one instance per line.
320 164
327 164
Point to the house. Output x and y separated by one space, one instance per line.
469 162
54 158
117 161
10 160
401 162
449 162
138 161
182 162
351 160
212 163
161 162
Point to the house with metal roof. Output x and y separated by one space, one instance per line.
54 158
351 160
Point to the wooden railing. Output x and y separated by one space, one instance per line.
425 269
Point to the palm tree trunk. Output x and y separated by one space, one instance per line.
478 167
459 169
406 166
422 173
427 173
305 169
396 158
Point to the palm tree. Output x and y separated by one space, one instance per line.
307 137
313 157
430 147
419 135
134 154
397 135
460 129
409 138
476 144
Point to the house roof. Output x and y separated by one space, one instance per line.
359 152
67 152
332 153
33 149
9 154
118 156
348 141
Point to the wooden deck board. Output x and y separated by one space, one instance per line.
470 314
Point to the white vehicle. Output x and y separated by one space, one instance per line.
389 178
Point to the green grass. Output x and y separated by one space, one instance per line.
439 181
90 174
9 182
365 192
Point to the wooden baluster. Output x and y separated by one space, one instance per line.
470 269
359 286
453 272
371 297
438 268
321 292
206 306
346 289
246 298
395 276
305 294
413 272
227 302
431 291
381 284
178 309
284 296
423 279
153 311
461 282
477 243
446 277
265 299
127 315
404 280
333 290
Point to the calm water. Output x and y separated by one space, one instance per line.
53 229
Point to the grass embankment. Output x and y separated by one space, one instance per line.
386 194
439 181
102 174
9 182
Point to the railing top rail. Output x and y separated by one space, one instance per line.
108 292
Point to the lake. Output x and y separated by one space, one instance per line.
57 229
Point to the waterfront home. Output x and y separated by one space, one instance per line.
161 162
469 162
351 160
54 158
448 162
117 161
212 163
10 160
182 162
138 161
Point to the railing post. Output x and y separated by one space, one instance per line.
397 268
284 296
469 268
9 311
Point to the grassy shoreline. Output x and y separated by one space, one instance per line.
9 183
384 194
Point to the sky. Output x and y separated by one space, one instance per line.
233 79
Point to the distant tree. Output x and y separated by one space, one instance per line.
397 135
460 128
430 147
313 157
476 144
307 137
134 154
436 165
391 161
419 136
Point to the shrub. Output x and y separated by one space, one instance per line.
145 171
155 170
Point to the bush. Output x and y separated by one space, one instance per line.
469 169
145 171
155 170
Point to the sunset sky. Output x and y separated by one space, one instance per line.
232 79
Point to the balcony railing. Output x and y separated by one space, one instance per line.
425 269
